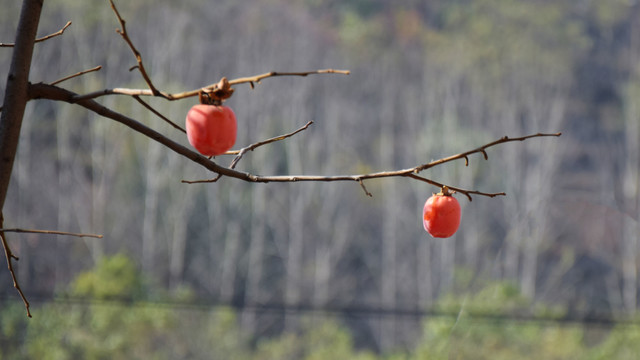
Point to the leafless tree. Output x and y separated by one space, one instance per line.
19 91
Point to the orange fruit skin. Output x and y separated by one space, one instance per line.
211 129
441 216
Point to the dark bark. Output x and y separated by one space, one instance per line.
16 91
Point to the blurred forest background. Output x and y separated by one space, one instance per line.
319 270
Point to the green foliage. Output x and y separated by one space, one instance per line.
608 14
623 342
475 334
115 330
466 338
113 277
324 339
102 330
108 329
495 298
13 324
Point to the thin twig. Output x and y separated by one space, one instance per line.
146 105
195 92
10 257
465 192
203 181
77 74
364 188
481 149
240 153
252 80
123 91
57 33
51 232
136 53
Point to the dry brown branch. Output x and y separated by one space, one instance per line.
76 74
409 172
203 181
465 192
196 92
364 188
256 79
240 153
481 149
150 108
57 33
51 232
55 93
136 53
10 257
46 91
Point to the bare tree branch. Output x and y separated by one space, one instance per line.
256 79
76 74
195 92
56 93
46 91
10 257
466 192
57 33
240 153
481 149
202 181
167 120
136 53
364 188
50 232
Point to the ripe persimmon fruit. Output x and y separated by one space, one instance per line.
211 129
441 214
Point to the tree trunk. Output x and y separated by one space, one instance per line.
16 91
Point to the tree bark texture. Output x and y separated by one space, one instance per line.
16 95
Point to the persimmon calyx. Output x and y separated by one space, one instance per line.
444 191
220 92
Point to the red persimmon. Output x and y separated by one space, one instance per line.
211 129
441 214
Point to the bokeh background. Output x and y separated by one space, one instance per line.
231 270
